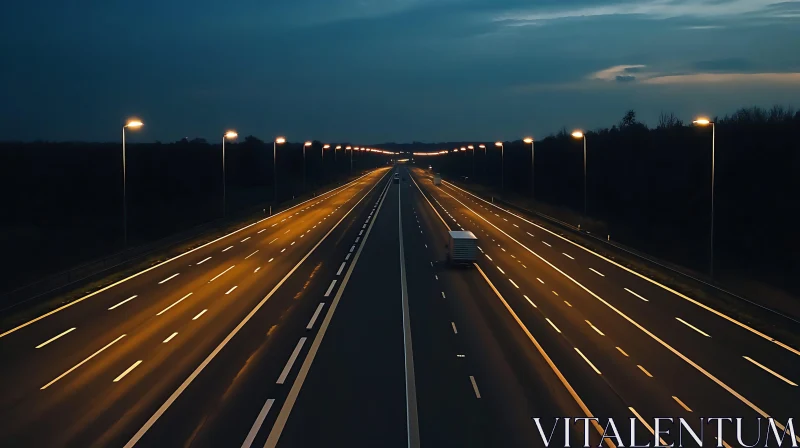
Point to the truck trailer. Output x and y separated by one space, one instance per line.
462 247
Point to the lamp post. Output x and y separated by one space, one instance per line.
133 124
322 160
707 122
533 180
228 135
275 143
473 161
484 160
335 150
355 148
305 145
580 134
502 165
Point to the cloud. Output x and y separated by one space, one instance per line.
616 72
625 78
727 78
704 74
703 27
728 64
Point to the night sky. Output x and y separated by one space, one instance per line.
374 71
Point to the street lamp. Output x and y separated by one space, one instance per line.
337 148
473 161
305 145
322 160
580 134
133 124
502 165
275 143
706 122
228 135
533 180
484 161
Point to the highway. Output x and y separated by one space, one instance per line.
339 323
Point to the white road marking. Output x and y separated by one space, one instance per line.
596 272
242 241
455 331
360 232
169 278
204 260
352 248
315 316
516 226
501 270
540 280
266 229
330 288
55 337
358 238
567 255
443 296
776 374
595 328
552 324
177 302
512 282
273 241
227 248
546 244
290 362
644 370
199 314
623 352
283 250
529 233
339 272
436 276
258 268
347 257
475 387
587 361
568 304
81 363
683 405
220 274
487 256
231 290
170 337
529 301
637 295
292 243
251 255
123 302
693 327
127 371
554 292
251 436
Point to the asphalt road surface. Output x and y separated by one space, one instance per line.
339 323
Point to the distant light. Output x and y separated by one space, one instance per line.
280 140
455 150
326 146
577 134
471 147
231 134
349 147
482 146
528 140
498 144
702 121
307 144
134 124
338 147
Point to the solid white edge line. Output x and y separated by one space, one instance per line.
76 301
251 436
291 398
290 363
315 316
776 374
80 363
163 408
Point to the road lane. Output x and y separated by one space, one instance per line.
85 406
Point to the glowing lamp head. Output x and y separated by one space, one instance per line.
702 121
482 146
280 140
471 147
307 144
231 135
349 147
498 144
338 147
528 140
326 146
134 124
577 134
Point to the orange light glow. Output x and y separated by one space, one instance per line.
498 144
482 146
702 121
307 144
280 140
133 123
231 134
577 134
471 147
338 147
528 140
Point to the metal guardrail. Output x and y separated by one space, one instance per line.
635 253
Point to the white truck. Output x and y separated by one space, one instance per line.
437 179
462 247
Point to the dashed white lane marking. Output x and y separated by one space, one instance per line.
231 290
512 282
123 302
220 274
251 255
81 363
436 276
292 243
291 361
266 229
176 302
347 257
568 255
587 361
554 292
257 269
529 301
546 244
251 436
595 328
169 338
199 314
529 233
644 370
358 238
169 278
501 270
242 241
227 248
339 272
552 324
315 316
360 232
776 374
596 272
683 405
475 387
352 248
623 352
516 226
330 288
443 296
273 241
127 371
637 295
203 261
540 280
282 250
55 337
693 327
455 330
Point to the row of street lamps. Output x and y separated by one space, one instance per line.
580 134
230 135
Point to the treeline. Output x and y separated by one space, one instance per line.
62 202
650 187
